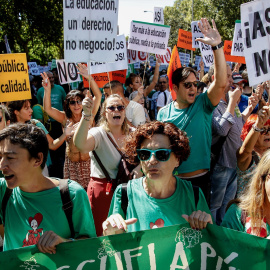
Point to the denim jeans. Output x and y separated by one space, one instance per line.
223 189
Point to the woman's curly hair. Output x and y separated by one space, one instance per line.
178 139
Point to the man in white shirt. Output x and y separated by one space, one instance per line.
164 96
134 111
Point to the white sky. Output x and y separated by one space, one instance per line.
134 10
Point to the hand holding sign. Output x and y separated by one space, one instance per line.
198 219
115 224
46 82
211 35
88 104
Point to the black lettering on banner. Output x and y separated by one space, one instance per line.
12 66
62 72
257 26
71 44
72 25
14 86
261 62
72 71
267 18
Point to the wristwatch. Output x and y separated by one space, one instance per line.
257 129
220 45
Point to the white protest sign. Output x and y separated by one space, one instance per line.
196 33
132 56
158 15
142 56
120 59
207 54
90 30
137 65
255 25
148 37
67 72
165 59
237 45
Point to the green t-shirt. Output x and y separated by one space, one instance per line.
58 96
29 215
232 220
37 113
196 121
40 125
153 213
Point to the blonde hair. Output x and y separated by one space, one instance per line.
253 201
103 120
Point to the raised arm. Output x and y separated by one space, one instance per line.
244 153
52 112
212 38
150 87
93 85
83 141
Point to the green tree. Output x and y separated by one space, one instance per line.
34 27
224 12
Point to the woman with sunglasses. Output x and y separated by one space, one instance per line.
159 198
77 164
112 127
256 141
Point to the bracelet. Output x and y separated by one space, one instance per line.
220 45
86 117
255 128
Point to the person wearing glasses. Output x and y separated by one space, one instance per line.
256 141
77 164
158 199
193 113
112 128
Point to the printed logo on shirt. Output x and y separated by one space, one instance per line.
33 236
158 224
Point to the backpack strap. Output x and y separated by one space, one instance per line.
196 192
6 197
165 97
124 198
67 204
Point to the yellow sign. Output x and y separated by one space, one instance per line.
14 79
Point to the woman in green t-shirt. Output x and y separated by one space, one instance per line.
159 198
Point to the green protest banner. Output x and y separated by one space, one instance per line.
174 247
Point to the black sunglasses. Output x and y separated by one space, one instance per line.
1 117
73 102
189 84
265 131
120 108
160 154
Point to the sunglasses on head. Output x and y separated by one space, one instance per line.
160 154
120 108
187 85
73 102
265 131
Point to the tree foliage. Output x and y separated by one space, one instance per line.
34 27
224 12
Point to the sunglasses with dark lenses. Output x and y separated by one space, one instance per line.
1 117
189 84
265 131
160 154
120 108
73 102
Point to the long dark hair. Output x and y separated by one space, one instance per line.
70 96
16 106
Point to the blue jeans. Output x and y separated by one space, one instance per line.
223 189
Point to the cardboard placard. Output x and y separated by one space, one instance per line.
148 37
14 78
227 52
185 40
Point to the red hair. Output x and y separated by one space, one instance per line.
248 125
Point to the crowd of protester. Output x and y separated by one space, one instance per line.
190 159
